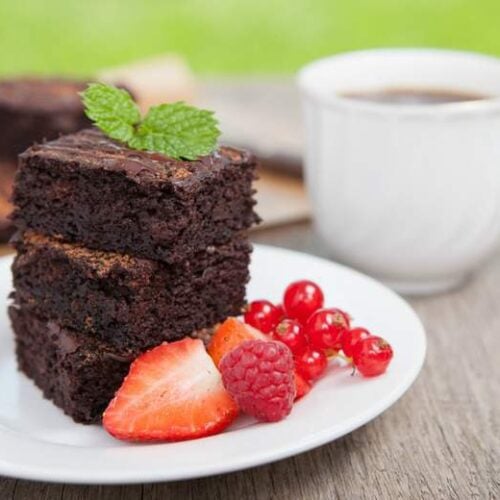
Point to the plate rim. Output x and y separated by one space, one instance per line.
315 440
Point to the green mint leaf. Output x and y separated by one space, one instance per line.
112 110
177 130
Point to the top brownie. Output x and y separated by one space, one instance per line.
92 190
33 109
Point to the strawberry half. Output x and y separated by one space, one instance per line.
173 392
302 387
230 335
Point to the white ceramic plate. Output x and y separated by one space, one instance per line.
37 441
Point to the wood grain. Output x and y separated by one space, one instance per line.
442 440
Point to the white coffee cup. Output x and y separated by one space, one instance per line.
407 193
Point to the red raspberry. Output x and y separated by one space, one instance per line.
260 377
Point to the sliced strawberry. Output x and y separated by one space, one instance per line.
230 335
302 387
172 393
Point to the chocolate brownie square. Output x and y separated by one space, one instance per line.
34 109
129 302
92 190
80 374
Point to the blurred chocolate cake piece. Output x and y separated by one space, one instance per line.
7 172
33 110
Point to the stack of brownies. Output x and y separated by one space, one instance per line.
118 251
33 109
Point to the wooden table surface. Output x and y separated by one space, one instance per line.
441 440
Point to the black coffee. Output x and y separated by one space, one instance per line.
414 96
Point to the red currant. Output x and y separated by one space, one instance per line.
291 333
311 364
281 311
263 315
326 327
301 299
351 337
371 356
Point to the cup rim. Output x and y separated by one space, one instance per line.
303 80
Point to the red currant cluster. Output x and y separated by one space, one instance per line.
314 333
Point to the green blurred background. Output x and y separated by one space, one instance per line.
230 36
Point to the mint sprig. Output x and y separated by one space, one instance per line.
176 130
112 110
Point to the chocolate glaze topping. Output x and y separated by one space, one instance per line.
91 149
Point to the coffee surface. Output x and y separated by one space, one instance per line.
414 96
